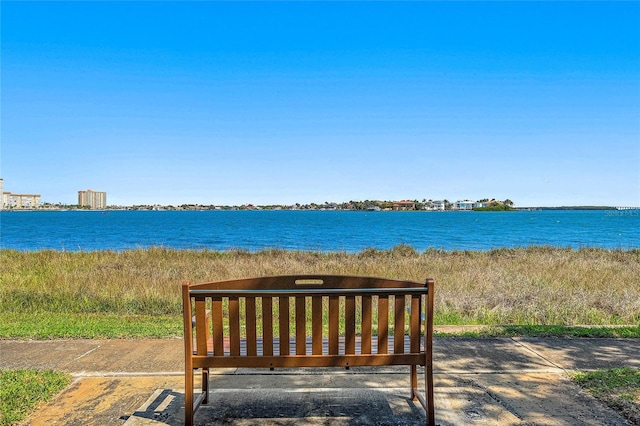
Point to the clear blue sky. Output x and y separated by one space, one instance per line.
241 102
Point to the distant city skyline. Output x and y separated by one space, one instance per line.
230 103
98 200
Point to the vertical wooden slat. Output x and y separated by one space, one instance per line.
250 303
383 324
334 311
216 311
398 326
414 325
201 326
234 326
316 325
350 325
283 316
366 325
267 326
301 324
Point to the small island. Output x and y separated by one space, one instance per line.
495 206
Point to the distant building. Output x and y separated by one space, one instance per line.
18 201
438 205
404 205
21 201
463 205
92 199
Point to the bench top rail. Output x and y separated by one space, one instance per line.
309 292
318 282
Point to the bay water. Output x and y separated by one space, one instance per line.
347 231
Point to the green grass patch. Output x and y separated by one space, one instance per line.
87 326
619 388
22 390
102 326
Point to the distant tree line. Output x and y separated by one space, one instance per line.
355 205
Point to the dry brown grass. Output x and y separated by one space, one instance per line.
537 285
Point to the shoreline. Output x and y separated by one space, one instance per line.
238 209
366 251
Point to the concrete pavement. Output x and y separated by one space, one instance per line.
505 381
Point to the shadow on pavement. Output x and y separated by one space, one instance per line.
285 407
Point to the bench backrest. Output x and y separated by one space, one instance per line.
331 315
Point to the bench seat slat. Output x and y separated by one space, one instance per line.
262 347
290 361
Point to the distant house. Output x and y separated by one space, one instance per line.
463 205
438 205
404 205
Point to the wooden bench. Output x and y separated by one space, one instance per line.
354 321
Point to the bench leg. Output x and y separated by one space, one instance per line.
188 397
414 382
428 384
205 385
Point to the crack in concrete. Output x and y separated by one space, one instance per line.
528 348
86 353
508 407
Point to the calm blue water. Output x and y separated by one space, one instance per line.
316 230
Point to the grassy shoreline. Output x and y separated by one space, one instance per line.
136 293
